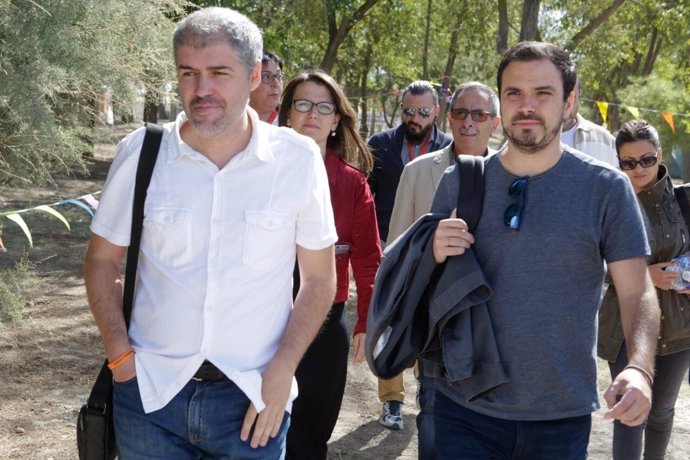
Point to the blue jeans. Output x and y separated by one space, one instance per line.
466 434
202 421
627 440
425 419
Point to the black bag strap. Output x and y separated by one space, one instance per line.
682 198
471 194
102 388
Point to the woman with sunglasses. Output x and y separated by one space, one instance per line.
639 155
314 105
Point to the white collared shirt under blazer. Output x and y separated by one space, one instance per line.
217 253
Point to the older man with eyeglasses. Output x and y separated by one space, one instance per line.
265 99
473 117
416 135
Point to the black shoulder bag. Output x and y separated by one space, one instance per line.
471 194
95 431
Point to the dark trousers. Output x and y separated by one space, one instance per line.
656 431
321 379
462 433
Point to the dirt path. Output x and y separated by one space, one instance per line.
49 361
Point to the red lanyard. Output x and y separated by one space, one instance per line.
272 117
422 149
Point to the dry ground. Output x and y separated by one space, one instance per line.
49 360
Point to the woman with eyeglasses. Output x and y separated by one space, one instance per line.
314 105
639 155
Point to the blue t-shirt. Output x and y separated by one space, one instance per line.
547 279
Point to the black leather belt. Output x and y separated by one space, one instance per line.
207 372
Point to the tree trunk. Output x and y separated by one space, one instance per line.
425 54
502 39
151 107
530 20
363 89
594 24
337 34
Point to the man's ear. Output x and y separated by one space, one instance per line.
255 76
494 124
568 106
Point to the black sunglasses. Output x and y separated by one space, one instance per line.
645 162
477 115
512 217
410 111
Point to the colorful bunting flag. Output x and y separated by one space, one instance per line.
603 109
668 116
15 216
634 111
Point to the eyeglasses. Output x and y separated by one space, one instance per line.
645 162
512 216
304 106
267 77
477 115
411 111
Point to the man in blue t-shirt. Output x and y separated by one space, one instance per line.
551 218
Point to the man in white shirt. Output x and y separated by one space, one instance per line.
207 366
587 137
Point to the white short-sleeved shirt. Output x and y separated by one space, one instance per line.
217 253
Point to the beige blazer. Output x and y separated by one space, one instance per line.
418 184
417 187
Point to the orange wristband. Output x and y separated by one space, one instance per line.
120 359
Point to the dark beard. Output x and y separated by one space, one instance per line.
417 137
528 142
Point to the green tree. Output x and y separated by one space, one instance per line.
56 58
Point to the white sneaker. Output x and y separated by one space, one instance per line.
391 415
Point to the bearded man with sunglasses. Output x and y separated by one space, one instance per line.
551 217
392 150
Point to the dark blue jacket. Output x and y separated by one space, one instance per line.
436 312
386 147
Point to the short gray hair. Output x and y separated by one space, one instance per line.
479 87
419 87
213 24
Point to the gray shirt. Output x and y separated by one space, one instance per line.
547 279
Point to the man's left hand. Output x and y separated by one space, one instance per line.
275 391
629 398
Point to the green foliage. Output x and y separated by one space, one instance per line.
16 288
666 95
55 59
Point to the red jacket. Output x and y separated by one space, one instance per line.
355 222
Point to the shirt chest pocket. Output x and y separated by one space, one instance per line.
167 235
268 235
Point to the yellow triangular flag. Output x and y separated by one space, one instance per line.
603 109
634 110
16 218
53 212
668 116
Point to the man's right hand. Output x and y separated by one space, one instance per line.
451 238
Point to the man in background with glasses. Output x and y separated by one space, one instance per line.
587 137
551 217
265 99
473 117
392 150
